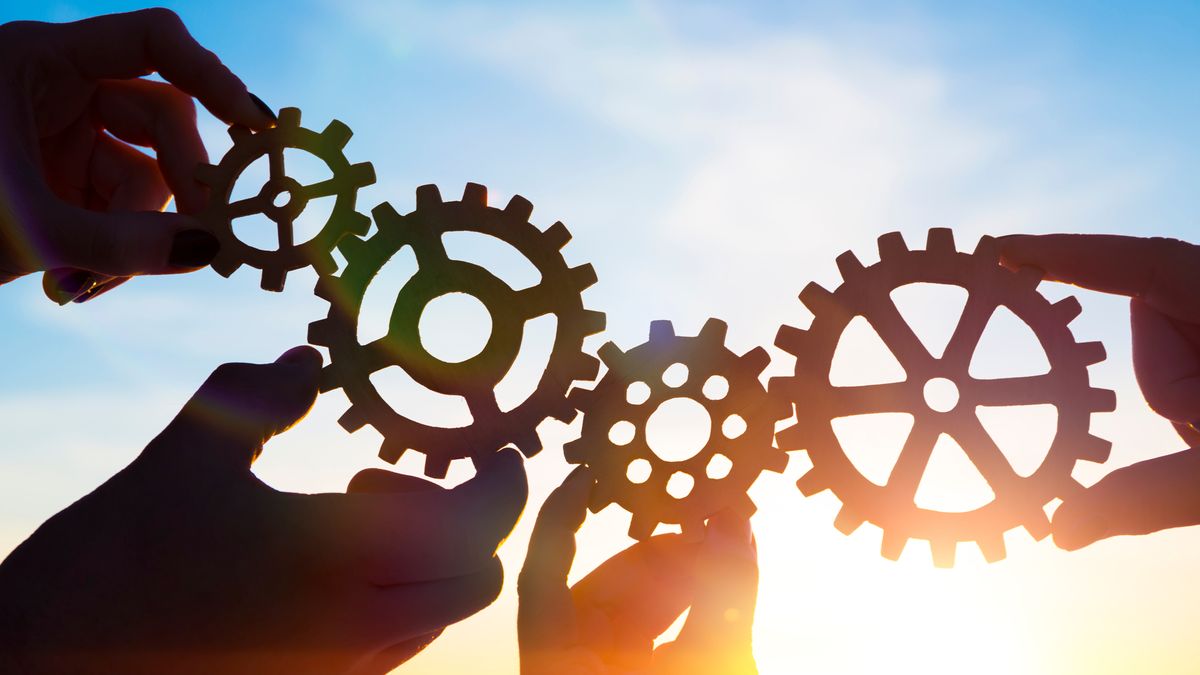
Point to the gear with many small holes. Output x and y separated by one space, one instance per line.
865 292
343 186
558 293
749 450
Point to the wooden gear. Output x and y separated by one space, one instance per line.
609 404
558 293
1018 501
249 146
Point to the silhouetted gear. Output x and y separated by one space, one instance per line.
865 291
249 146
609 404
558 293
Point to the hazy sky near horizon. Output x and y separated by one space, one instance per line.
710 159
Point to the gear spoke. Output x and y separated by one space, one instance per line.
534 301
277 171
975 316
871 398
914 457
428 247
983 452
380 354
245 207
1006 391
325 188
897 334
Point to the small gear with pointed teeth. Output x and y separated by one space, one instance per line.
865 291
558 293
747 447
343 186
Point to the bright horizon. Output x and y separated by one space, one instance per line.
709 161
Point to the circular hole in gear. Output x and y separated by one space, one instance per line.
622 433
282 198
675 375
637 393
455 327
638 471
718 467
678 429
733 426
715 388
680 485
941 395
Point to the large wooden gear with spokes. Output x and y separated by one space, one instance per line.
1019 500
282 198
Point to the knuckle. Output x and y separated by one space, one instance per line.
161 18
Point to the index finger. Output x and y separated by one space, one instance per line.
123 46
1162 272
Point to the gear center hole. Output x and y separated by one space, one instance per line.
678 429
455 327
282 199
941 394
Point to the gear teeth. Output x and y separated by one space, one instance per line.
428 196
1037 525
779 408
273 279
581 398
592 322
1091 353
792 438
817 298
692 531
436 466
288 117
811 483
519 209
557 236
322 332
743 506
324 263
207 174
392 450
328 380
891 245
361 174
563 411
327 288
1094 449
943 552
791 339
987 250
848 521
661 330
611 355
386 217
1102 400
225 266
641 528
582 277
358 224
940 240
357 251
475 195
714 331
992 548
601 496
1028 278
353 419
893 545
528 443
337 134
239 133
1067 309
575 452
587 367
756 360
849 266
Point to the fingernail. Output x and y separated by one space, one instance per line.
63 286
266 109
193 248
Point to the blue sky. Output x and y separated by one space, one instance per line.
710 159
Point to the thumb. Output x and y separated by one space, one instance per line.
240 407
1154 495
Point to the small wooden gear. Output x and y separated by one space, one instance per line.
343 186
865 292
748 450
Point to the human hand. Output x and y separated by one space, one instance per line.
606 624
76 198
1162 279
184 562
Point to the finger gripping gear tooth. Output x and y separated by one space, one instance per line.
1018 500
342 188
474 380
610 460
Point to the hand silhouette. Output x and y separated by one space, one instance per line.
79 200
184 562
1162 278
607 623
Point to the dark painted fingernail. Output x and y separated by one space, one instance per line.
266 109
63 286
193 248
104 286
